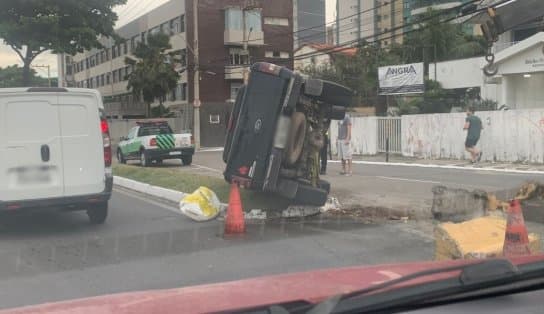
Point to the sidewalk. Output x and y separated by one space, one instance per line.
447 163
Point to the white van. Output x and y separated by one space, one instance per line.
55 151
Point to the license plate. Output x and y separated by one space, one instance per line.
175 153
34 176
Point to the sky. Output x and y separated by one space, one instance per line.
131 10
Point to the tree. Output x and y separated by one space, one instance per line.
12 76
31 27
153 75
447 40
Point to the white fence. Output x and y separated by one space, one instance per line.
508 136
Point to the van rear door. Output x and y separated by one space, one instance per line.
82 146
31 160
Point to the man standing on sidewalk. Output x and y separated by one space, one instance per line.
344 145
474 127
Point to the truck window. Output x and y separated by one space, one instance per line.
148 130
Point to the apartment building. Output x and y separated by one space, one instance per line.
222 58
310 20
106 71
370 20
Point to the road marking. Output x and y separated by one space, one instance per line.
144 199
377 163
208 168
409 180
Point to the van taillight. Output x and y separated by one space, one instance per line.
153 142
270 68
106 141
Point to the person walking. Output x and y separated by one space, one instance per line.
323 154
474 127
344 145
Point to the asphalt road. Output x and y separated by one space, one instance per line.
148 245
398 187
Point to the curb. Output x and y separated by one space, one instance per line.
144 188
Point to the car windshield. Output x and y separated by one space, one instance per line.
312 148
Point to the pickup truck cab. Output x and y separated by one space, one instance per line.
154 141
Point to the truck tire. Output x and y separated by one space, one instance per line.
120 157
295 139
325 185
187 160
98 213
329 92
144 161
309 195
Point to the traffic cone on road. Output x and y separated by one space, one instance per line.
234 223
516 238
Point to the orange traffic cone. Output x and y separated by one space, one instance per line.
516 239
234 223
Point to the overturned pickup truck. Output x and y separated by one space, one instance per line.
277 129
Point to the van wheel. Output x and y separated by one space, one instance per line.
187 160
98 213
120 157
144 162
295 139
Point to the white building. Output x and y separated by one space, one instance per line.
355 20
106 71
312 54
519 82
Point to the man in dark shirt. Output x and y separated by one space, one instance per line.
474 127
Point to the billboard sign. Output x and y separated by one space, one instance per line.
401 79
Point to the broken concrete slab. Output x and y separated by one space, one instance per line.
457 205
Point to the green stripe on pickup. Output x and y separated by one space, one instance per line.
165 141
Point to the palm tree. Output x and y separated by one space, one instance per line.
153 75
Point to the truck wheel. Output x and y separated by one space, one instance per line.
308 195
187 160
120 157
329 92
325 185
98 213
295 139
144 161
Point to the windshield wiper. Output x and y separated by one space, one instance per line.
474 277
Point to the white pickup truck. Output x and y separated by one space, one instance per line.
155 141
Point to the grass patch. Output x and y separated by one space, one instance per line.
185 181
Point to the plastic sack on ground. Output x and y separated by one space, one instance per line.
201 205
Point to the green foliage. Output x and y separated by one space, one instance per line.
31 27
12 76
153 75
435 100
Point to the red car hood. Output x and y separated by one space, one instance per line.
313 286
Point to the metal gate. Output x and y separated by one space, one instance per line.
389 133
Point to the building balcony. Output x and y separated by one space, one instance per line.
236 38
235 72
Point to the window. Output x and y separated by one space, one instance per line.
254 20
154 30
127 72
102 56
143 37
114 52
233 19
238 56
120 75
115 76
234 88
108 54
175 25
277 54
108 78
97 58
183 95
132 133
280 21
165 27
102 80
125 48
284 55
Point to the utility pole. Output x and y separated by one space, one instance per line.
248 5
196 79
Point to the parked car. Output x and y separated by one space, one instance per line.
276 130
154 141
54 151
